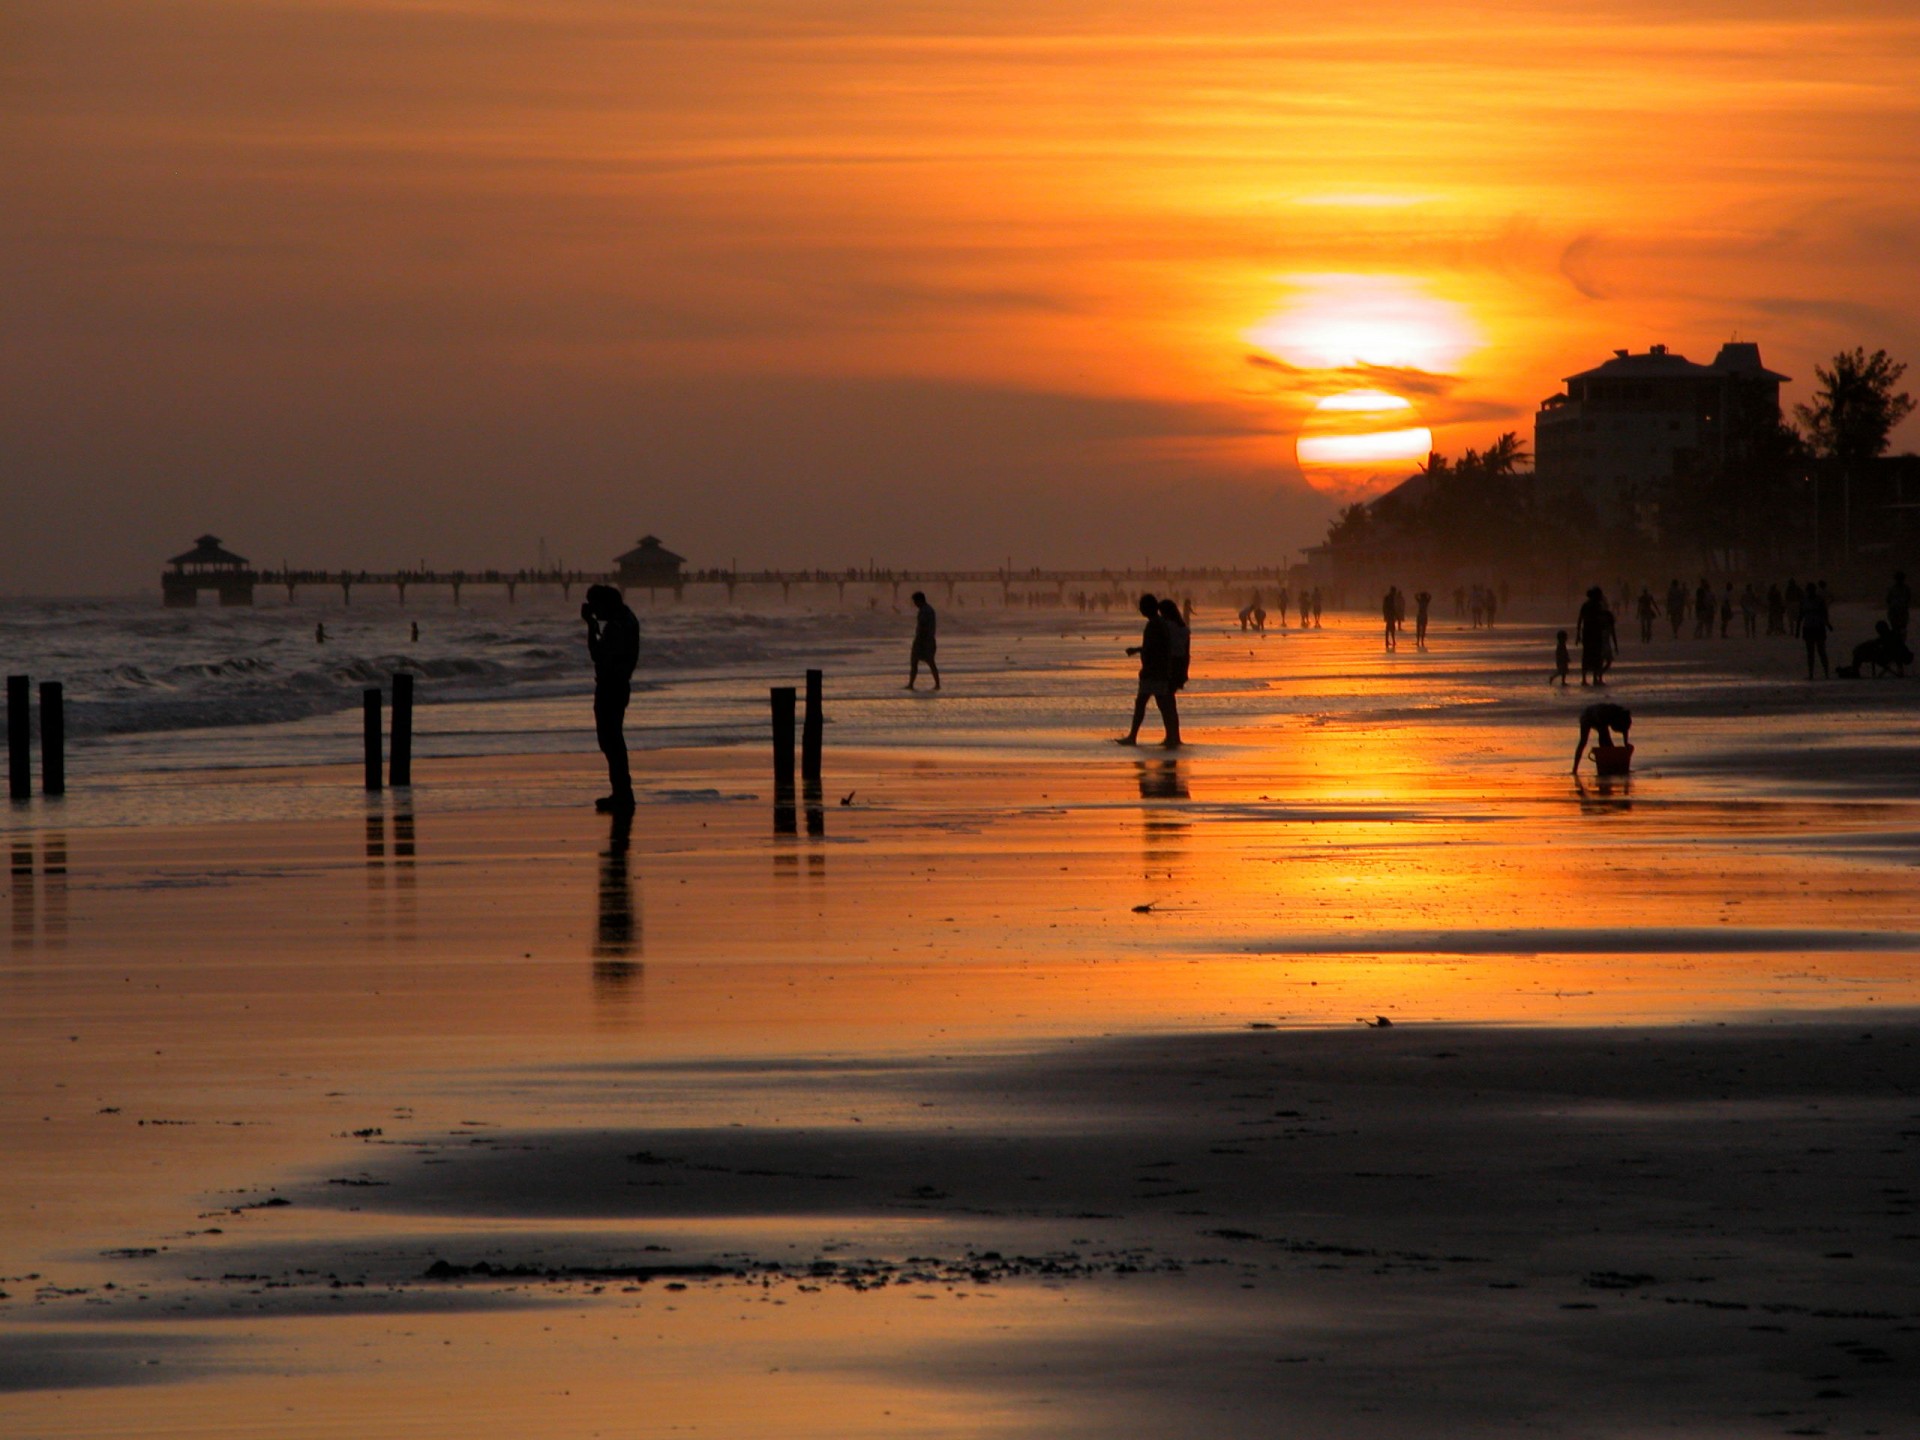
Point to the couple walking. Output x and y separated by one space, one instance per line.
1166 652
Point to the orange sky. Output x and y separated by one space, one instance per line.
362 281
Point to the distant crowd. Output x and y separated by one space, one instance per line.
1792 611
1253 615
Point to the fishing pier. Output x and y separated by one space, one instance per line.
652 568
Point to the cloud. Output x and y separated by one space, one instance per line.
1578 262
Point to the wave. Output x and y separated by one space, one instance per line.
129 667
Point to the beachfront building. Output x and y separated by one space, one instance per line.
208 566
651 565
1631 426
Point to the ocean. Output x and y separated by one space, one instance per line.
183 716
202 714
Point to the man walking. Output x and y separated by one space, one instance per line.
923 642
613 640
1156 676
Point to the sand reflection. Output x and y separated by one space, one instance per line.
1163 826
617 934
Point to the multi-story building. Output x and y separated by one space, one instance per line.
1627 427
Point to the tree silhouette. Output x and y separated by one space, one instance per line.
1852 414
1474 510
1856 407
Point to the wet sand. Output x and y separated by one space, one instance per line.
1031 1097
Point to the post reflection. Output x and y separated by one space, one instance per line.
53 891
391 852
617 934
405 878
1163 828
22 882
39 899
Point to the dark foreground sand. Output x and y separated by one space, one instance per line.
1406 1231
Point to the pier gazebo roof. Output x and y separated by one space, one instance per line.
649 552
207 551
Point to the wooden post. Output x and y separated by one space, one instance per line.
400 762
810 734
785 821
53 738
19 740
783 707
370 731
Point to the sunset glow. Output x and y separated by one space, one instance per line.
739 276
1353 322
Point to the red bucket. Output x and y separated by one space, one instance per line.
1612 759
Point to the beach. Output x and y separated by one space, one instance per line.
1043 1091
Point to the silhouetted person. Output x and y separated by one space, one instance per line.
1899 606
1796 606
1562 661
416 632
1886 653
1280 603
1726 610
1676 606
1649 609
1422 602
1593 633
1604 718
613 640
1316 608
1390 612
320 634
1180 638
1703 608
924 643
1156 675
1749 608
1814 625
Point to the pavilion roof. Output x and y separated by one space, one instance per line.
649 548
207 550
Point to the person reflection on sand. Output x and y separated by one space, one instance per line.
1163 828
617 934
1606 796
1162 780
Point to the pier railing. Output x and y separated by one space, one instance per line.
237 586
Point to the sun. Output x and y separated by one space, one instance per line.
1360 442
1352 344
